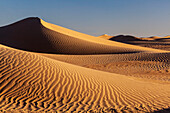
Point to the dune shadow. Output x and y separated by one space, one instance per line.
132 39
67 53
31 35
163 111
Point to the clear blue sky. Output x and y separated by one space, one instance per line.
94 17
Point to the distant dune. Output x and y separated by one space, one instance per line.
151 42
124 38
48 68
105 36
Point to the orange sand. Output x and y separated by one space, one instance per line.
46 68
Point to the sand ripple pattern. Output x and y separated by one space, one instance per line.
29 82
152 66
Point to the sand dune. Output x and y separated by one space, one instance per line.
32 82
163 44
105 36
151 38
151 42
154 66
33 34
45 68
124 38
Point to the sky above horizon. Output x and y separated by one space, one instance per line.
141 18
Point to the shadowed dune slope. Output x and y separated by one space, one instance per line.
124 38
33 34
164 39
32 82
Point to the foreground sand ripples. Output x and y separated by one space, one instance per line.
31 82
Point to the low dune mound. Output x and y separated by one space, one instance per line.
30 82
124 38
33 34
152 38
163 39
105 36
168 36
156 38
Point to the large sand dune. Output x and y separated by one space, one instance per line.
45 68
33 34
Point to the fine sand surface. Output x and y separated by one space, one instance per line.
152 66
48 68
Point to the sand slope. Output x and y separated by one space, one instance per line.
153 66
33 34
32 82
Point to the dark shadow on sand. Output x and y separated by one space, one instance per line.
163 111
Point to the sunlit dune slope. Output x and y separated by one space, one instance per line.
105 36
33 34
155 66
32 82
164 39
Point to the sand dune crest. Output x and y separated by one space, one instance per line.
33 34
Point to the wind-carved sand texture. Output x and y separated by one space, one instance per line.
152 66
46 68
